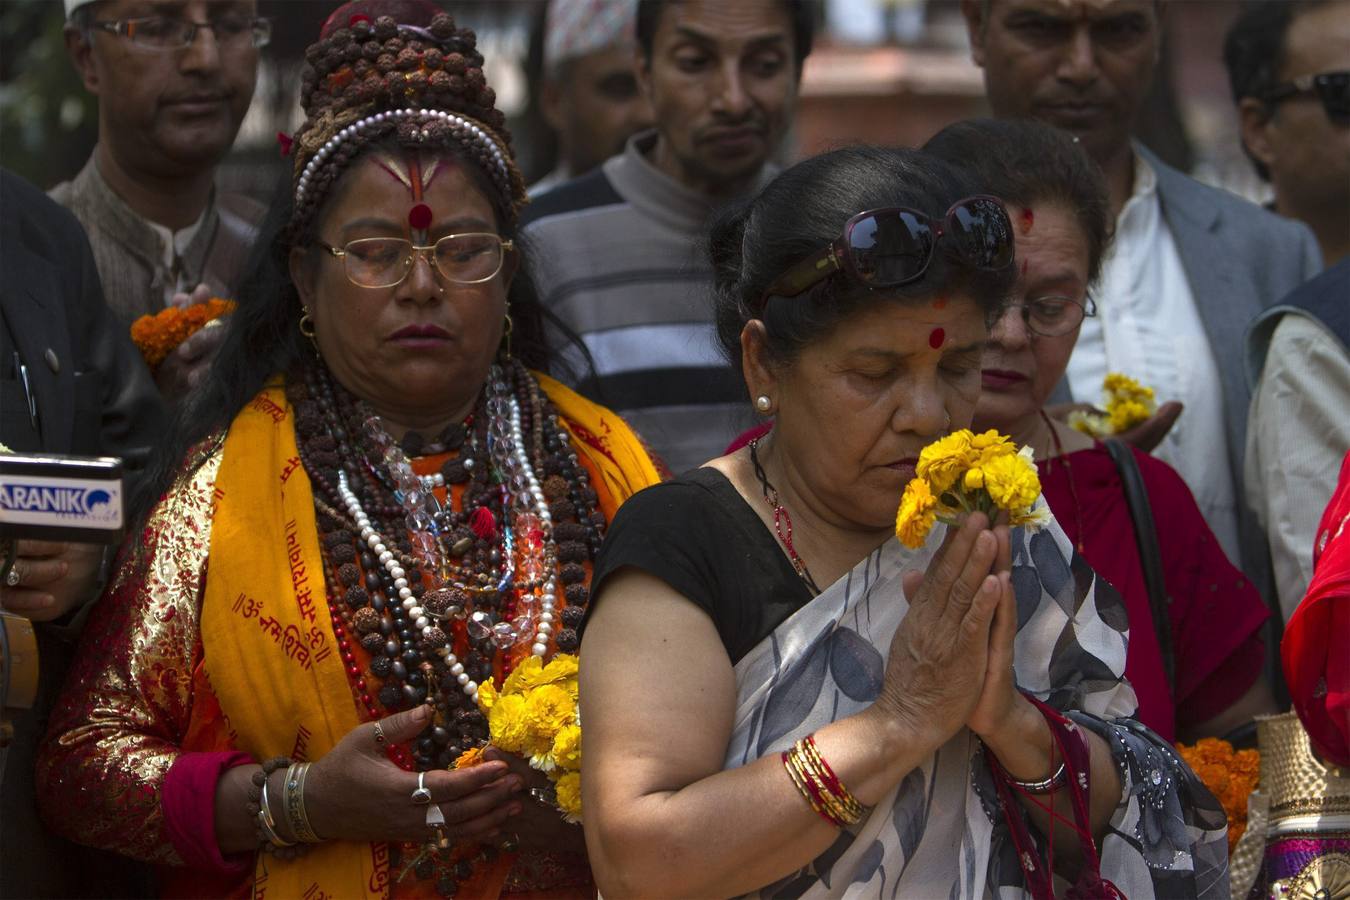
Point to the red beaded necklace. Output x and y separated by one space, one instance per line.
782 519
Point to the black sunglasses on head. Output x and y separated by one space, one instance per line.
1332 88
889 247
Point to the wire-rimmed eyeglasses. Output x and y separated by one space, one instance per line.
1053 315
381 262
166 33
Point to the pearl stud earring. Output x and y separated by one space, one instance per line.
763 403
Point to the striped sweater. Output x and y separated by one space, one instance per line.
619 257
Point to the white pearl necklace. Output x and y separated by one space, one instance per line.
549 600
396 572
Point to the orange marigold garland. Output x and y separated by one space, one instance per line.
159 335
1231 776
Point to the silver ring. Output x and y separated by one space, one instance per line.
547 796
13 578
421 796
379 733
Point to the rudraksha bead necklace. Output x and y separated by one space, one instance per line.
416 577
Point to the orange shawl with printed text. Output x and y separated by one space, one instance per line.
271 681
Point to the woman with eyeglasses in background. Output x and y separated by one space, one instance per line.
1196 652
781 699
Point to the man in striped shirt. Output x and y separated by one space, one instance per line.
619 253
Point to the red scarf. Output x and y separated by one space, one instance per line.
1316 647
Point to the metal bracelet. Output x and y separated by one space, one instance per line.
295 804
1042 787
267 823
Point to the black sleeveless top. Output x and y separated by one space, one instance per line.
698 535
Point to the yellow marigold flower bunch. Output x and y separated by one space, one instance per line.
1231 776
534 714
1126 403
159 335
964 473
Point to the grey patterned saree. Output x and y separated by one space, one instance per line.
942 832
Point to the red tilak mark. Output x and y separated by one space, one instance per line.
936 337
419 217
1024 267
1028 219
940 303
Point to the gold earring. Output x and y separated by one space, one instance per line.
306 324
763 403
507 328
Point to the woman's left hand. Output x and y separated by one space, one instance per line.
539 825
999 699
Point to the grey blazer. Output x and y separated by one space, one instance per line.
1239 260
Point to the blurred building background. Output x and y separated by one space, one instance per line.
884 71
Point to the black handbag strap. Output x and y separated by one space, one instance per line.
1150 553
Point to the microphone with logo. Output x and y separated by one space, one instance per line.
47 497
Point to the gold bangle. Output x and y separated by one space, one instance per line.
845 796
843 804
833 787
295 804
794 771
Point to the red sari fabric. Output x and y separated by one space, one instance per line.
1316 646
1216 613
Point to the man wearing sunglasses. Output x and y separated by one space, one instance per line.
1191 266
173 80
1289 67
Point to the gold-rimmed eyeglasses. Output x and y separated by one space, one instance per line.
385 261
1053 316
165 33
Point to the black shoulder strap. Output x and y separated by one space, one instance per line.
1150 555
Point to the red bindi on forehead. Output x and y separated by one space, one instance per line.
1028 218
936 338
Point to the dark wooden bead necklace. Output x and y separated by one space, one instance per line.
468 603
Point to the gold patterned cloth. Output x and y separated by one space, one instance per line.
175 662
1297 843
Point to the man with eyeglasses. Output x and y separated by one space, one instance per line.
1190 266
174 79
1289 67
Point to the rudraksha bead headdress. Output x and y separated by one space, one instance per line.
401 69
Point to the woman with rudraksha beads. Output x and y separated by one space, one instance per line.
376 503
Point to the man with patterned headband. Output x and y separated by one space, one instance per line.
173 81
589 93
380 508
620 252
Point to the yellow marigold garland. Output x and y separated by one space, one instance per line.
1231 776
1126 403
159 335
966 472
535 715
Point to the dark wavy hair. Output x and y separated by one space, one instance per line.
1031 164
262 337
803 210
